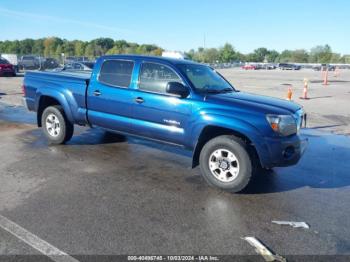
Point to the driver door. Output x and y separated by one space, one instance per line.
157 114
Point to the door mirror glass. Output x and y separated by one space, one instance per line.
178 89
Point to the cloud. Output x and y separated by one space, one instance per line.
60 20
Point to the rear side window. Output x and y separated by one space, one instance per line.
155 77
116 73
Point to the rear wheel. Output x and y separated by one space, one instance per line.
55 125
225 163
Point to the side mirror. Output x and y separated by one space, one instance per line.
178 89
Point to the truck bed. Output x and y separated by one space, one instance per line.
71 85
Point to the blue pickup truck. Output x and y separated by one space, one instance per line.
180 102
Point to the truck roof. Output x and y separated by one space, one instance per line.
150 58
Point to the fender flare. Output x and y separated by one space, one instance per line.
236 126
57 95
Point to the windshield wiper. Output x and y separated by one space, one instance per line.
226 90
212 91
217 91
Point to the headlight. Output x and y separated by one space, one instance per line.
284 125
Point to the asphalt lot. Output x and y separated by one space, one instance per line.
98 195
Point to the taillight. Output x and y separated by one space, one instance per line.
24 90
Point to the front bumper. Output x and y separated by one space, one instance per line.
284 151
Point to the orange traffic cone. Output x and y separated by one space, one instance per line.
306 85
289 93
325 78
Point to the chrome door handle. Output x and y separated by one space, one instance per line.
139 100
97 93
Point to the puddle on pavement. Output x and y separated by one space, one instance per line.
18 114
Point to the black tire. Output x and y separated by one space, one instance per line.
240 151
66 128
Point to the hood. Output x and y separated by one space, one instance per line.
264 104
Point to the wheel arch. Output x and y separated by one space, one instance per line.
211 131
45 101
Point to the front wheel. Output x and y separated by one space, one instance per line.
225 163
55 125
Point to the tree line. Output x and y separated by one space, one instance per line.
54 47
227 54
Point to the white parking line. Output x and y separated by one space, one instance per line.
35 242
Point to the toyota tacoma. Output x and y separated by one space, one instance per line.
179 102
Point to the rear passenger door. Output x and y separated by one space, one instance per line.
109 98
157 114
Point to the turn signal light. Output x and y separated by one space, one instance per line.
274 126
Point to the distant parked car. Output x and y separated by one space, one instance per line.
265 66
284 66
32 62
249 67
81 66
12 59
49 63
6 69
331 68
269 66
29 62
324 67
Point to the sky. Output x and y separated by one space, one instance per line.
182 25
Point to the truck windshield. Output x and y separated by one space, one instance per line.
205 79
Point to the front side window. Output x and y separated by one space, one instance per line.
116 73
155 77
205 79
